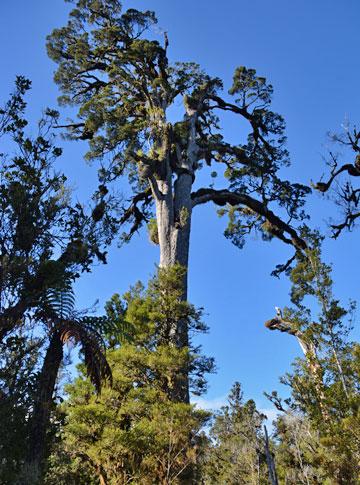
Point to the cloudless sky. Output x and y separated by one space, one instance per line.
309 51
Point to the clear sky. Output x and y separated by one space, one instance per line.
309 50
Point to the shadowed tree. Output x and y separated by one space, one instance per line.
63 326
44 239
121 79
19 361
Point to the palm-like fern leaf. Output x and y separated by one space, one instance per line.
92 345
60 300
87 331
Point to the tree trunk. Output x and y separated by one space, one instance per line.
173 212
309 349
173 215
340 371
270 461
42 408
316 372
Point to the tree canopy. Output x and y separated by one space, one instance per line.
44 238
125 85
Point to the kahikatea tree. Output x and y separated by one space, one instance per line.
44 239
342 181
125 86
134 431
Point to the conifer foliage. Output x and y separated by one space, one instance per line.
236 454
135 430
154 127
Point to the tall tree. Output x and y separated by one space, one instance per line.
121 79
325 384
44 238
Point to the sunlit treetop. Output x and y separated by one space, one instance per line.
113 68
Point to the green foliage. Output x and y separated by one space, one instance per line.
236 454
120 77
18 375
297 453
135 430
316 444
36 208
60 301
330 328
153 231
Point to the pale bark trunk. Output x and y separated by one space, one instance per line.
316 372
340 371
309 349
173 214
324 303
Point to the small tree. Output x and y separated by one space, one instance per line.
125 86
297 451
237 453
135 431
62 325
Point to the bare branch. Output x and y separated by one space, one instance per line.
223 197
134 213
347 224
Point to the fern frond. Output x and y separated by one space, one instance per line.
60 300
87 331
119 329
92 346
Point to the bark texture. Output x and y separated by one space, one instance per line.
42 408
173 212
309 349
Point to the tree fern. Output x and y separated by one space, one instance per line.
87 331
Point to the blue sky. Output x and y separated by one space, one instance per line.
309 52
